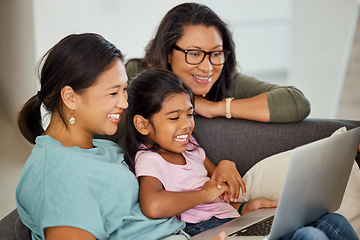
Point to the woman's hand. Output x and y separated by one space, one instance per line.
258 203
221 236
208 108
226 172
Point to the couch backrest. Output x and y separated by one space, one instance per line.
247 142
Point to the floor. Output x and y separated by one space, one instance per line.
14 150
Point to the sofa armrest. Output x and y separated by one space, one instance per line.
247 142
7 226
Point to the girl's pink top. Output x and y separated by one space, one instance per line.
181 178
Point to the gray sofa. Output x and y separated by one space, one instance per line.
245 142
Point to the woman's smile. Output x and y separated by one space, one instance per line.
114 117
202 79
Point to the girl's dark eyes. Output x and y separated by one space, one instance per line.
114 93
176 118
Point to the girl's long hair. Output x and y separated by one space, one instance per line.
146 93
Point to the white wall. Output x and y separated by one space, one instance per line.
265 32
322 36
257 25
261 31
17 59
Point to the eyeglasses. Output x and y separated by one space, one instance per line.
194 56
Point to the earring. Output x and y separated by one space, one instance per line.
72 119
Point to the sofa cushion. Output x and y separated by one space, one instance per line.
266 178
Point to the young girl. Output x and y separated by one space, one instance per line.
173 170
175 176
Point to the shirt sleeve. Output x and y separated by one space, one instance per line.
286 103
132 68
195 152
150 164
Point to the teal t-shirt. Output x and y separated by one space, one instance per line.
91 189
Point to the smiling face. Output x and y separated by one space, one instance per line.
99 107
173 124
201 77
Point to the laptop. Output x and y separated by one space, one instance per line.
314 185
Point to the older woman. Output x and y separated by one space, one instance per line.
194 43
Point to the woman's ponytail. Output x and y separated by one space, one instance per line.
29 119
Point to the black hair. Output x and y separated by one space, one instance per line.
171 28
76 61
146 94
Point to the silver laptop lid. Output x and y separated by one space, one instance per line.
316 180
315 184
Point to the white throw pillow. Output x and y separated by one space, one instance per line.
266 178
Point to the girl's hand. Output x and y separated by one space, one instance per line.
212 190
257 204
226 172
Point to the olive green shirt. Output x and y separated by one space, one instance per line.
286 103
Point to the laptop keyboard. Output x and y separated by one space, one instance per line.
261 228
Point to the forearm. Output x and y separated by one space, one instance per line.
285 103
165 204
67 232
278 105
209 166
254 108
